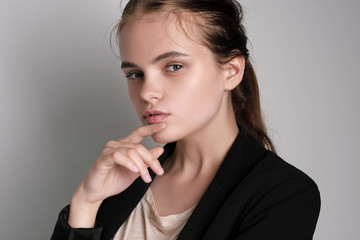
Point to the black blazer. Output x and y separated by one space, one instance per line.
255 195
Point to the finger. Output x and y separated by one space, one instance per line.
141 132
124 161
150 159
140 163
157 151
117 158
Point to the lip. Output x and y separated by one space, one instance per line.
155 116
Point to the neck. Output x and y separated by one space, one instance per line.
205 149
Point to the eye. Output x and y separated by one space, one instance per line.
174 67
134 75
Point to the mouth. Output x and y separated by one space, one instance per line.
151 117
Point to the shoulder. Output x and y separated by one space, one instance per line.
274 186
280 196
255 180
250 164
273 180
272 171
271 198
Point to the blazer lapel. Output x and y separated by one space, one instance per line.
241 158
243 155
204 213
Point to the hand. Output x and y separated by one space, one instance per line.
120 163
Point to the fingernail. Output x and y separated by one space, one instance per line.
147 178
160 170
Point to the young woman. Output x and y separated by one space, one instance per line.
193 87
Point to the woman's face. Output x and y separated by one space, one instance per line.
171 78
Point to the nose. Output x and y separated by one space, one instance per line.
151 89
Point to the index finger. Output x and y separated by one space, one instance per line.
142 132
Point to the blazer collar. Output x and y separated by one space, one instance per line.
243 155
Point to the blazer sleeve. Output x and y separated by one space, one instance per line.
289 210
63 231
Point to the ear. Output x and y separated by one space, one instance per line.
234 71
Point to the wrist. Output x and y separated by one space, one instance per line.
82 214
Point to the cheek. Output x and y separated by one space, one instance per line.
199 98
206 91
193 105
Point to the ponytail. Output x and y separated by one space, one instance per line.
222 31
246 104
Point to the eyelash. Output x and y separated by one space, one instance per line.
129 75
176 67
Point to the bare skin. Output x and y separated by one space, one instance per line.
119 164
194 91
179 78
193 165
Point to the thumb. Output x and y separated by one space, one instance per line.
157 151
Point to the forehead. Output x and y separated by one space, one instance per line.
156 33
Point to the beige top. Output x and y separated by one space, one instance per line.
144 223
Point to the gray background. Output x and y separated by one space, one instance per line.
62 96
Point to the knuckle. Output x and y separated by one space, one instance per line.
102 161
98 161
138 146
130 151
110 144
115 155
153 161
104 152
144 171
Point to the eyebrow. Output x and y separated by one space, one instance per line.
171 54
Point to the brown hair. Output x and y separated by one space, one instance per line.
222 31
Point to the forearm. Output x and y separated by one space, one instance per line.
82 214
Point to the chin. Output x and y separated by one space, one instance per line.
161 139
164 137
